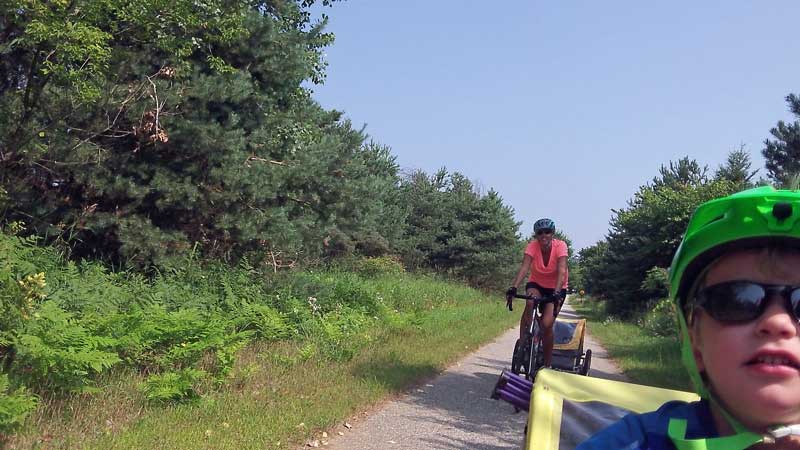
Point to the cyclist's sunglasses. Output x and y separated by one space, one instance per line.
744 301
544 231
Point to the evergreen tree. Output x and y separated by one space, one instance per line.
422 198
495 233
736 169
58 58
783 153
647 233
591 262
234 160
685 172
453 229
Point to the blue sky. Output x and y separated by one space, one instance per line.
564 108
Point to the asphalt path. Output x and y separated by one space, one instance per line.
454 411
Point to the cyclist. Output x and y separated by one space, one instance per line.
546 259
735 281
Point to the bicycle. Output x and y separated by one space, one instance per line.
528 355
568 356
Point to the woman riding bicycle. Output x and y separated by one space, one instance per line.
546 259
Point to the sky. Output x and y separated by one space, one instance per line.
565 108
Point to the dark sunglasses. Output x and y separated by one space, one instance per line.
544 231
744 301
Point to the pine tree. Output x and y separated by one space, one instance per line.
783 153
453 229
233 159
736 169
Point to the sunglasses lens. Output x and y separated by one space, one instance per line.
734 302
794 299
544 231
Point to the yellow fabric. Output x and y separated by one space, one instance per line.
551 388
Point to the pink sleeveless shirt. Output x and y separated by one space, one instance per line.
545 276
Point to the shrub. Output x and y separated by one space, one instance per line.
349 290
341 334
154 339
660 319
172 386
22 286
382 265
267 322
54 351
15 405
656 283
326 292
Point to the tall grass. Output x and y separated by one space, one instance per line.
644 356
212 356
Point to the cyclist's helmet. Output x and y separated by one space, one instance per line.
754 218
544 224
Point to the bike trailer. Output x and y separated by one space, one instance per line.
566 409
568 335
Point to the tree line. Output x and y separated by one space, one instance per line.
629 267
134 132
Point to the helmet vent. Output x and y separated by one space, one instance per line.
782 210
715 219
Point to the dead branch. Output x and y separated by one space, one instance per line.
252 158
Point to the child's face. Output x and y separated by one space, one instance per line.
756 392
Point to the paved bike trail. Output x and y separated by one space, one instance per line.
454 410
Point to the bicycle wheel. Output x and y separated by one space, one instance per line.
516 358
534 352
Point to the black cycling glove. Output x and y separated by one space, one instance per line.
562 294
511 292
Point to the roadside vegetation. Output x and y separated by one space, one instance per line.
213 355
646 349
180 217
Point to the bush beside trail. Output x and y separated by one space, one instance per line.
71 331
646 347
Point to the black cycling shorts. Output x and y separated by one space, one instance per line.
547 296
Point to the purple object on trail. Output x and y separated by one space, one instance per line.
516 379
518 391
518 402
513 389
522 384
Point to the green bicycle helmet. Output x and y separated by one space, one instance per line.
748 219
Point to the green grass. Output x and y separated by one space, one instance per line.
645 359
276 399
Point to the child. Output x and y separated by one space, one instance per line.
735 280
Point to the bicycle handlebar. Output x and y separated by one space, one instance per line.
526 297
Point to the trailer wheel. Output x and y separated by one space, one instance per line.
587 362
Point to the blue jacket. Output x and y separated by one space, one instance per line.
648 431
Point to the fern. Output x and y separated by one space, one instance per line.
54 352
15 405
268 323
172 386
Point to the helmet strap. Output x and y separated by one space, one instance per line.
688 358
739 441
